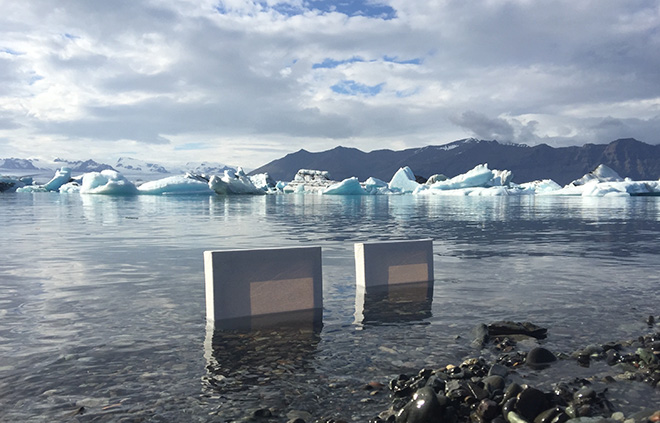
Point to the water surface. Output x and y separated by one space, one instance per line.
102 298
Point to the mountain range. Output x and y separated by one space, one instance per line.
629 157
133 168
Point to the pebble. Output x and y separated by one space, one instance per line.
540 358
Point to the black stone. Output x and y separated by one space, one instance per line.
493 383
487 409
424 408
540 358
531 402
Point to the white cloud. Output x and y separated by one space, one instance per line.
251 81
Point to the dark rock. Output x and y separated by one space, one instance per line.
498 370
516 328
540 358
612 357
487 409
476 391
512 391
584 395
551 415
480 336
493 383
436 383
424 408
531 402
262 412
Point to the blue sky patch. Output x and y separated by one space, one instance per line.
366 8
331 63
11 51
349 87
190 146
415 61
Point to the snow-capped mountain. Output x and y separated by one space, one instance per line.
17 164
134 165
209 168
82 166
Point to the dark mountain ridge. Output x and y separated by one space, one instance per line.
629 157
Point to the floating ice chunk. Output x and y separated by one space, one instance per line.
438 177
280 186
233 182
535 187
621 189
602 173
501 178
480 176
107 182
12 183
62 176
350 186
175 185
263 181
403 181
310 175
374 183
32 188
70 188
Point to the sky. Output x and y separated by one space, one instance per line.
246 82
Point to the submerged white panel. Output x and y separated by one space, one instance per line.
248 283
393 262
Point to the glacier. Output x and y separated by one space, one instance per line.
479 181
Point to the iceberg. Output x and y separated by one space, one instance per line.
62 176
403 181
537 187
349 186
602 173
12 183
479 176
233 182
174 185
263 181
109 182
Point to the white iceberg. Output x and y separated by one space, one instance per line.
62 176
403 181
538 187
350 186
263 181
602 173
233 182
479 176
174 185
12 183
109 182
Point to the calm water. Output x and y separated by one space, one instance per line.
102 298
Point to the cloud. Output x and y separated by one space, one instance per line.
167 74
483 127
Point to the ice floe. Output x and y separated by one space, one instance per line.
479 181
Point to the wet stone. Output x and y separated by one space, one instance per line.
531 402
487 409
424 408
498 370
493 383
540 358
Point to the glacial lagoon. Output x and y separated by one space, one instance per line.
102 299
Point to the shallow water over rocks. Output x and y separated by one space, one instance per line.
102 300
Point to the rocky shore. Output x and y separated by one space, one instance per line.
497 389
479 391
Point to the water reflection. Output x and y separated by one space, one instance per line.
397 303
267 366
